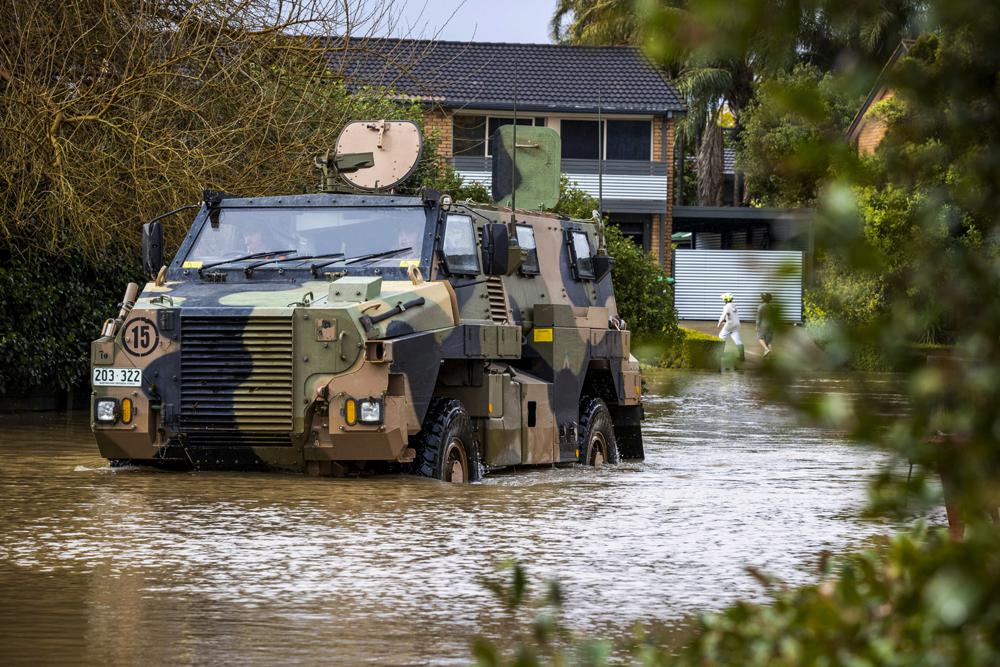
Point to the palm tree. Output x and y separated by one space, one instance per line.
595 22
708 86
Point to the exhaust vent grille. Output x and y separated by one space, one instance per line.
497 296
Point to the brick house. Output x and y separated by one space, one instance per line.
615 112
867 130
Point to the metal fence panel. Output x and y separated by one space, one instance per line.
702 275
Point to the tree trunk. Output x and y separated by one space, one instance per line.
709 162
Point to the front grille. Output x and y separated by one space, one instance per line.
235 439
236 378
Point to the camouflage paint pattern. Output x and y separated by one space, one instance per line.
532 179
255 372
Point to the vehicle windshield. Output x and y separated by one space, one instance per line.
312 232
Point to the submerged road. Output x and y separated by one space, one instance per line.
133 566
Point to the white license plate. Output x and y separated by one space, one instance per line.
117 377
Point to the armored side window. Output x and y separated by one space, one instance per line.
526 239
460 253
583 262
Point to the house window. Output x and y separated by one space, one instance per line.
473 135
469 135
580 140
634 226
626 139
629 140
495 124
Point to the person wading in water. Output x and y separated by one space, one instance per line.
729 321
765 323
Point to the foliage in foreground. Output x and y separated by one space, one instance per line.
920 599
918 235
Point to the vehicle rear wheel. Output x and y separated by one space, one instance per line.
596 443
444 446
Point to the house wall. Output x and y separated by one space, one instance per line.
437 122
666 256
872 130
664 152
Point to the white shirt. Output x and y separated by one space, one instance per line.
731 316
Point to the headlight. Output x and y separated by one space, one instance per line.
371 410
106 410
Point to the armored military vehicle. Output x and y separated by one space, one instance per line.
338 332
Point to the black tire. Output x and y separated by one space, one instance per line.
596 442
444 446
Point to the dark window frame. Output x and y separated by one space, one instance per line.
524 121
647 140
604 127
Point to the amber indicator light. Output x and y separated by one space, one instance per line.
126 410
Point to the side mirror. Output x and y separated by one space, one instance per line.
602 266
495 253
152 247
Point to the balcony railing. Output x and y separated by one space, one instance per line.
623 179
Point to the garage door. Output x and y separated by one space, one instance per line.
702 275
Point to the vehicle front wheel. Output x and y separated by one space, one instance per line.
597 444
444 445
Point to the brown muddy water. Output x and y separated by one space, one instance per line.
131 566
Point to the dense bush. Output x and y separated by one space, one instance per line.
778 135
51 307
691 349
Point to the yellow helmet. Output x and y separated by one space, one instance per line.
727 296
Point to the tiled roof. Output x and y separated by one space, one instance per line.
483 75
728 161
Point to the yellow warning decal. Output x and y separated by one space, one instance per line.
192 264
409 262
543 335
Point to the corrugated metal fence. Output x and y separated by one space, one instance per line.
702 275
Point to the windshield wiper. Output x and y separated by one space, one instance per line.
361 258
298 258
243 258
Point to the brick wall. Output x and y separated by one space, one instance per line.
654 237
872 130
437 122
655 242
870 135
669 228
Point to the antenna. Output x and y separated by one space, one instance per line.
513 167
600 157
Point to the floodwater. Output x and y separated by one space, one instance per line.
132 566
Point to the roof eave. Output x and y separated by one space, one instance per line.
484 105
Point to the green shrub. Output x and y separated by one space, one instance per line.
51 307
693 349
